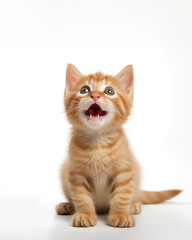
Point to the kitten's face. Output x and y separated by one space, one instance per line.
96 101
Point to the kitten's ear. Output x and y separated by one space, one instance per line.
72 76
126 79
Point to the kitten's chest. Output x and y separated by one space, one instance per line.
100 175
99 161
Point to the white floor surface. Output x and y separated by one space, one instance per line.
30 219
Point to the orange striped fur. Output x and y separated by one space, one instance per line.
101 174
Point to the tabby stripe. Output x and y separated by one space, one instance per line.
111 153
124 102
74 102
84 147
83 206
118 107
110 145
77 162
95 147
117 207
80 184
70 100
80 193
79 155
121 184
124 198
123 203
74 173
126 170
124 192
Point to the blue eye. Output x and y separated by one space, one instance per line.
85 90
109 91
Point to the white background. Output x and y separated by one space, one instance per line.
37 40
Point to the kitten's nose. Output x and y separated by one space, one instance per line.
95 96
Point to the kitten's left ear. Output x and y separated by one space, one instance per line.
72 76
126 78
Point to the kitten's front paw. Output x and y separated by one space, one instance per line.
121 220
64 208
136 208
84 220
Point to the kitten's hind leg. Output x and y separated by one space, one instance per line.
136 208
64 208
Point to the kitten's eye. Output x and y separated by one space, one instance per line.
109 91
85 90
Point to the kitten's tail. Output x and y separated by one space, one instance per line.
147 197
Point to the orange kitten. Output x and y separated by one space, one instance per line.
101 174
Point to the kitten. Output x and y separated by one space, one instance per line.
101 174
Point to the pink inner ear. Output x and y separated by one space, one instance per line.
126 78
72 76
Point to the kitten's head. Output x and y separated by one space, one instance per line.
98 101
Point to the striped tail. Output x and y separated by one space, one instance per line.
147 197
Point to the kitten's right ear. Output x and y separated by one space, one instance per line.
126 80
72 76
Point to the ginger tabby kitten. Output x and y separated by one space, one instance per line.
101 174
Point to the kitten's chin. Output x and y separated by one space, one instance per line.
95 123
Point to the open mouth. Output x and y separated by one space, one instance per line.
95 112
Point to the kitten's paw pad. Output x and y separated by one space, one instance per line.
84 220
64 208
121 220
136 208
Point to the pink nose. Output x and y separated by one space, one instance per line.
95 96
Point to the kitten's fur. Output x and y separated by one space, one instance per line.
101 174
